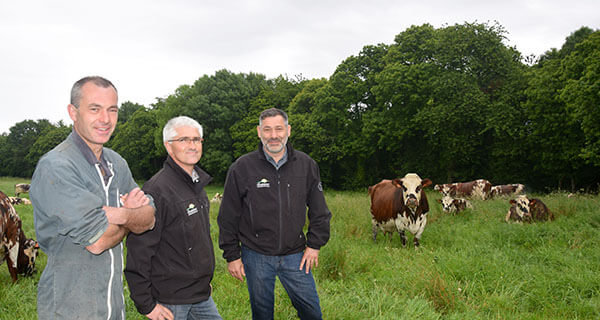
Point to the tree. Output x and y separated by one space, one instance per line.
19 141
46 142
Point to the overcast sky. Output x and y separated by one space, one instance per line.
149 48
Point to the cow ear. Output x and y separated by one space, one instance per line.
512 201
439 200
532 202
397 183
426 183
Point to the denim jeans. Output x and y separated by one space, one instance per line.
260 277
202 310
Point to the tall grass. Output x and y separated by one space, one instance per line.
471 265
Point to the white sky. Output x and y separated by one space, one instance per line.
149 48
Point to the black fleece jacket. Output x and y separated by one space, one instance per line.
265 209
174 262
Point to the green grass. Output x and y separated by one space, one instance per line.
471 265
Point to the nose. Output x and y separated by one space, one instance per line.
104 116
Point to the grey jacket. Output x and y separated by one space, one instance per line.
68 193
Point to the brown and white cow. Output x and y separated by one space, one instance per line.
18 251
21 188
506 189
17 200
479 188
452 205
399 205
217 198
523 209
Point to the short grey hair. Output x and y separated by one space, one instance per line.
182 121
272 112
76 89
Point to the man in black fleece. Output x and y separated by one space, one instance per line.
262 215
169 268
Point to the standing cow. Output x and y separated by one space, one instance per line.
523 209
507 189
479 188
21 188
399 205
18 251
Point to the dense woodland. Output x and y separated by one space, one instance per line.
453 103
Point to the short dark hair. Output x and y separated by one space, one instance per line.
272 112
97 80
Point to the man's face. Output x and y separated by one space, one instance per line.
274 133
185 154
96 117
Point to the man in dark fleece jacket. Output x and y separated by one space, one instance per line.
262 215
169 268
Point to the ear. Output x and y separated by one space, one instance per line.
72 112
289 130
439 200
258 131
168 147
397 183
426 183
532 202
512 201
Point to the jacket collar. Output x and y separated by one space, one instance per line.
203 177
288 145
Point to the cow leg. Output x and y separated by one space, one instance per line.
12 258
402 237
374 231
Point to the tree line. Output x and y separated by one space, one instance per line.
453 103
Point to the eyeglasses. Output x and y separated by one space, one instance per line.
195 140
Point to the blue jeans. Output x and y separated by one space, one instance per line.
202 310
260 277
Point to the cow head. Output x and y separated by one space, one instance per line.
412 186
447 204
522 207
26 264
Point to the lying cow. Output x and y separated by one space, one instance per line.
217 198
523 209
479 188
452 205
17 200
506 189
18 251
399 205
21 188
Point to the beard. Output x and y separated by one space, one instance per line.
275 149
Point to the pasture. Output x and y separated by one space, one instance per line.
471 265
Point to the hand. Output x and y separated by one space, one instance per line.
236 269
160 312
310 259
134 199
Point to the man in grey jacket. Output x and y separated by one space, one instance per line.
85 201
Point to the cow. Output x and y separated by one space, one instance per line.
21 188
506 189
452 205
479 188
217 198
19 252
399 205
17 200
523 209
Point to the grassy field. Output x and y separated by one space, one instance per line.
470 266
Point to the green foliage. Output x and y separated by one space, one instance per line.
453 103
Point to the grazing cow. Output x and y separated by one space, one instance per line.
523 209
18 251
217 198
399 205
17 200
506 189
21 188
479 188
452 205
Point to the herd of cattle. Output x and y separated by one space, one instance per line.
396 206
400 204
